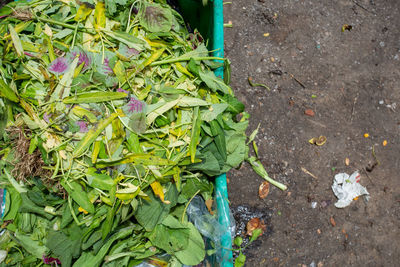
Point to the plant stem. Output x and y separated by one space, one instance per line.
179 59
65 25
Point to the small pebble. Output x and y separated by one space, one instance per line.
314 205
381 102
313 264
325 203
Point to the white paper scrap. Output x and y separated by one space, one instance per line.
346 188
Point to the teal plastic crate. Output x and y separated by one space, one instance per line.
209 21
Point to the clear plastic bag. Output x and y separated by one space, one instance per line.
210 228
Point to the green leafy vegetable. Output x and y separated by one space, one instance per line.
111 121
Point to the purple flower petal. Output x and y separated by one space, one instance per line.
46 117
50 260
59 65
82 126
122 91
135 105
28 54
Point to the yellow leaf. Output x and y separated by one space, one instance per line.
96 150
159 191
84 11
119 71
84 114
100 16
16 41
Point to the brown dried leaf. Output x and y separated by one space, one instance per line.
209 203
263 190
254 224
332 221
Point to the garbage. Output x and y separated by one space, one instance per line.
346 188
347 27
210 228
318 141
263 190
309 112
314 205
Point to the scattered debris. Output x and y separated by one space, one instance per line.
299 82
392 106
209 204
362 7
371 165
309 173
252 84
346 27
254 224
353 108
318 141
309 112
346 188
314 204
332 220
325 203
228 25
276 72
263 190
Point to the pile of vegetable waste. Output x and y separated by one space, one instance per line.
111 121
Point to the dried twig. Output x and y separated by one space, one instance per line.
309 173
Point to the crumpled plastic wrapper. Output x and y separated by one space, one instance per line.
346 188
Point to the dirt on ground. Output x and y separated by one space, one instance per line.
351 81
